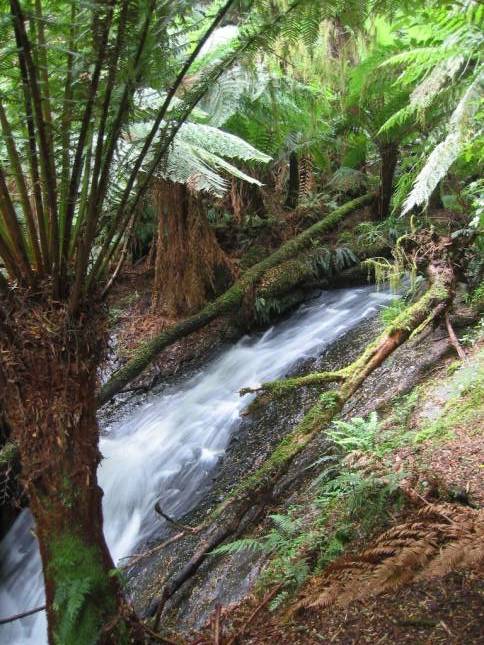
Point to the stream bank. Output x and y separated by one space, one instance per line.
219 579
421 469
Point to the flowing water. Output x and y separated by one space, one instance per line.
171 443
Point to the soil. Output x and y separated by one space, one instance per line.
449 610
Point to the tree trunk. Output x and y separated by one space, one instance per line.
48 366
293 182
389 159
190 266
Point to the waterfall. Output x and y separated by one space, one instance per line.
167 448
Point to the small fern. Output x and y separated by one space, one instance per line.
389 313
357 434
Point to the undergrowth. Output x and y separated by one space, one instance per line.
357 490
346 503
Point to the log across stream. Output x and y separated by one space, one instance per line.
168 447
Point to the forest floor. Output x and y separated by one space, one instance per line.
448 610
431 440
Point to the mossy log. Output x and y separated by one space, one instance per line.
273 277
257 490
228 301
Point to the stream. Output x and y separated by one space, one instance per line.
169 445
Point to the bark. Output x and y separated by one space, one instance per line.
388 159
245 198
258 489
48 365
190 266
228 302
293 182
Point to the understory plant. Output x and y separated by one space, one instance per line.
69 197
348 499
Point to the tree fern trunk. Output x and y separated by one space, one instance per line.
190 266
293 182
48 368
389 159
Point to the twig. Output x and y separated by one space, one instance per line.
183 527
453 338
268 597
139 556
427 503
216 626
156 636
24 614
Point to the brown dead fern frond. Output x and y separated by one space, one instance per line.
442 538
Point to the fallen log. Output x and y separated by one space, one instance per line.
249 498
263 274
228 301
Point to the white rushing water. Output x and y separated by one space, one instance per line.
168 446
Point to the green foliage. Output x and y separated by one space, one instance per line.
382 234
389 313
283 543
463 409
83 600
357 434
476 296
474 334
348 181
442 65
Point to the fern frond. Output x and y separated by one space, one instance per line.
285 524
444 155
239 546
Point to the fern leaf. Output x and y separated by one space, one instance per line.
444 155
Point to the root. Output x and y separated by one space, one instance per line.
453 338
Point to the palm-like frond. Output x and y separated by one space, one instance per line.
445 153
197 156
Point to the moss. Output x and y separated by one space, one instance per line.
8 455
419 311
281 386
391 312
83 598
253 255
464 410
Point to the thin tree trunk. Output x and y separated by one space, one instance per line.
388 159
293 182
48 368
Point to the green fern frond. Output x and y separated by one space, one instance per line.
446 152
239 546
285 524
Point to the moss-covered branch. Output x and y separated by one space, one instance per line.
227 302
281 386
434 302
